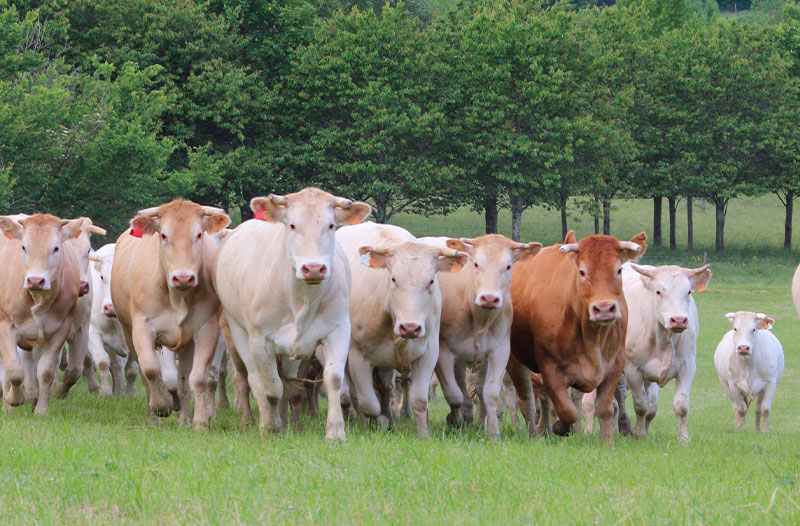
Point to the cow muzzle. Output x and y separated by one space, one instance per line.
488 300
37 283
743 350
604 312
109 310
313 273
83 288
409 330
678 324
183 280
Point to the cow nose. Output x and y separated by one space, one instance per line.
108 310
35 283
410 330
184 281
83 289
678 322
313 271
743 349
489 301
604 311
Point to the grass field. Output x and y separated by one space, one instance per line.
95 460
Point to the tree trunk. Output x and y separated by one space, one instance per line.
607 218
657 221
563 220
596 224
673 206
380 212
719 205
517 207
689 224
490 213
787 227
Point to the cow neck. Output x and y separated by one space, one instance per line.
43 300
304 299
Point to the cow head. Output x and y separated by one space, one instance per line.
41 237
598 263
83 248
412 269
745 324
181 226
493 257
102 261
310 217
671 289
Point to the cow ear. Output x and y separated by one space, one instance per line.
635 248
215 222
11 229
271 208
765 323
699 277
459 246
729 316
570 238
374 257
71 228
352 213
146 224
452 262
522 251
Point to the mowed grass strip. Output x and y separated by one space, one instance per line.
98 460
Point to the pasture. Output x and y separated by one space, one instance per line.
97 460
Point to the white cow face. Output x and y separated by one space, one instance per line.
671 287
745 324
103 260
83 248
310 217
41 237
493 257
412 269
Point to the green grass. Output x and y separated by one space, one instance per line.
96 460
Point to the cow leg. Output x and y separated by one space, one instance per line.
555 385
467 406
141 342
384 382
213 377
222 389
30 361
680 403
13 394
241 388
101 360
740 410
623 420
764 405
588 410
184 358
48 365
421 373
490 377
262 374
90 373
509 395
131 374
78 348
604 406
521 378
361 375
445 371
293 393
577 396
116 368
170 375
640 397
651 392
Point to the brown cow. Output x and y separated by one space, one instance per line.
569 324
162 293
39 289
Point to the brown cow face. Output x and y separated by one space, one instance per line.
310 217
671 289
493 257
41 237
181 226
412 269
598 261
745 324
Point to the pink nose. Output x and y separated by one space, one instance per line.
313 271
184 281
410 330
604 311
108 310
489 301
35 283
743 349
678 322
83 288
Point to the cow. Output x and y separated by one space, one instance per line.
749 361
476 322
661 342
395 311
284 285
39 291
163 296
570 318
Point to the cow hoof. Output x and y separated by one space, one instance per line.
15 396
40 411
176 401
161 412
561 429
683 440
335 432
59 391
454 419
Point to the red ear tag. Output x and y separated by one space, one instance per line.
138 231
259 215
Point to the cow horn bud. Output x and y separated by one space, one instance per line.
94 229
94 257
467 240
570 247
211 210
642 271
152 211
278 200
343 203
630 245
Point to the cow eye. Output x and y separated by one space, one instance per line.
200 235
164 237
24 250
508 267
331 226
689 293
430 284
582 273
55 250
658 293
102 278
619 271
292 227
394 281
476 264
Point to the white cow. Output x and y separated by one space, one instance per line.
661 343
749 362
395 310
476 323
284 284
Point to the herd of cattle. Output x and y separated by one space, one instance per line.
294 301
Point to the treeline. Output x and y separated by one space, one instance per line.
110 105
